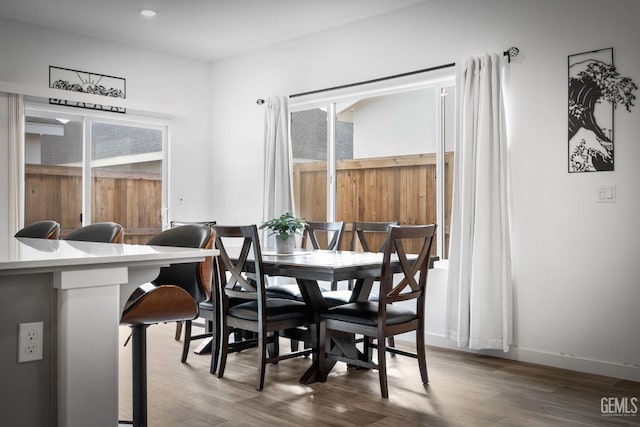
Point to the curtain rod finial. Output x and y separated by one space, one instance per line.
512 52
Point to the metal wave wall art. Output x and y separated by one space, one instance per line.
595 89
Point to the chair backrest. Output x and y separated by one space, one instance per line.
41 230
241 275
364 234
195 277
332 231
409 287
103 232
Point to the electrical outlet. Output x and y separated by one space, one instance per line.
30 341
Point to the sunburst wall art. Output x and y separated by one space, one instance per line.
595 89
82 81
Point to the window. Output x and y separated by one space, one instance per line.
383 154
81 169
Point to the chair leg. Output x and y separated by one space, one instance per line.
224 350
391 342
366 347
187 340
139 373
262 345
422 359
178 331
382 366
274 347
323 347
215 348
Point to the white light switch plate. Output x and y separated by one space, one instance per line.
606 194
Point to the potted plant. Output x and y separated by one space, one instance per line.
285 227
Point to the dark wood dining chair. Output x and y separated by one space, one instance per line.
173 296
323 235
102 232
314 233
41 230
366 236
203 309
381 319
242 280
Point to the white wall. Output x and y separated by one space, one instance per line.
577 282
178 86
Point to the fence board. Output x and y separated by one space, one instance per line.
131 199
401 188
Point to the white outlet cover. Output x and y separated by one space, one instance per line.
30 341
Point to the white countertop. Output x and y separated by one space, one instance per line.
34 254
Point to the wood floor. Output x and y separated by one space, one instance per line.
464 390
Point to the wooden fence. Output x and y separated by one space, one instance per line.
131 199
399 188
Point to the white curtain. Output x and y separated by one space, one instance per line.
278 179
479 304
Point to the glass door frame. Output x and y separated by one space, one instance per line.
87 117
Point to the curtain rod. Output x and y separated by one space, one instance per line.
510 53
380 79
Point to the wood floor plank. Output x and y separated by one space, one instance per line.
465 390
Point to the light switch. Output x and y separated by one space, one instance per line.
607 194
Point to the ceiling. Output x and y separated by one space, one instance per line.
206 30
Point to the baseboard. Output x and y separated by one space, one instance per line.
564 361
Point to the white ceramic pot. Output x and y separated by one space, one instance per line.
285 246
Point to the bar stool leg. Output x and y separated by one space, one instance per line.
139 372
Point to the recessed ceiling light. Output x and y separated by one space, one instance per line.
148 13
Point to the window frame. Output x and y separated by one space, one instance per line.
327 100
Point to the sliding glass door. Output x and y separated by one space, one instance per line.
82 169
53 155
126 178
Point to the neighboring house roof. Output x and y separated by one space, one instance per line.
309 136
108 141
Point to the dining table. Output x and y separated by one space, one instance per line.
308 267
